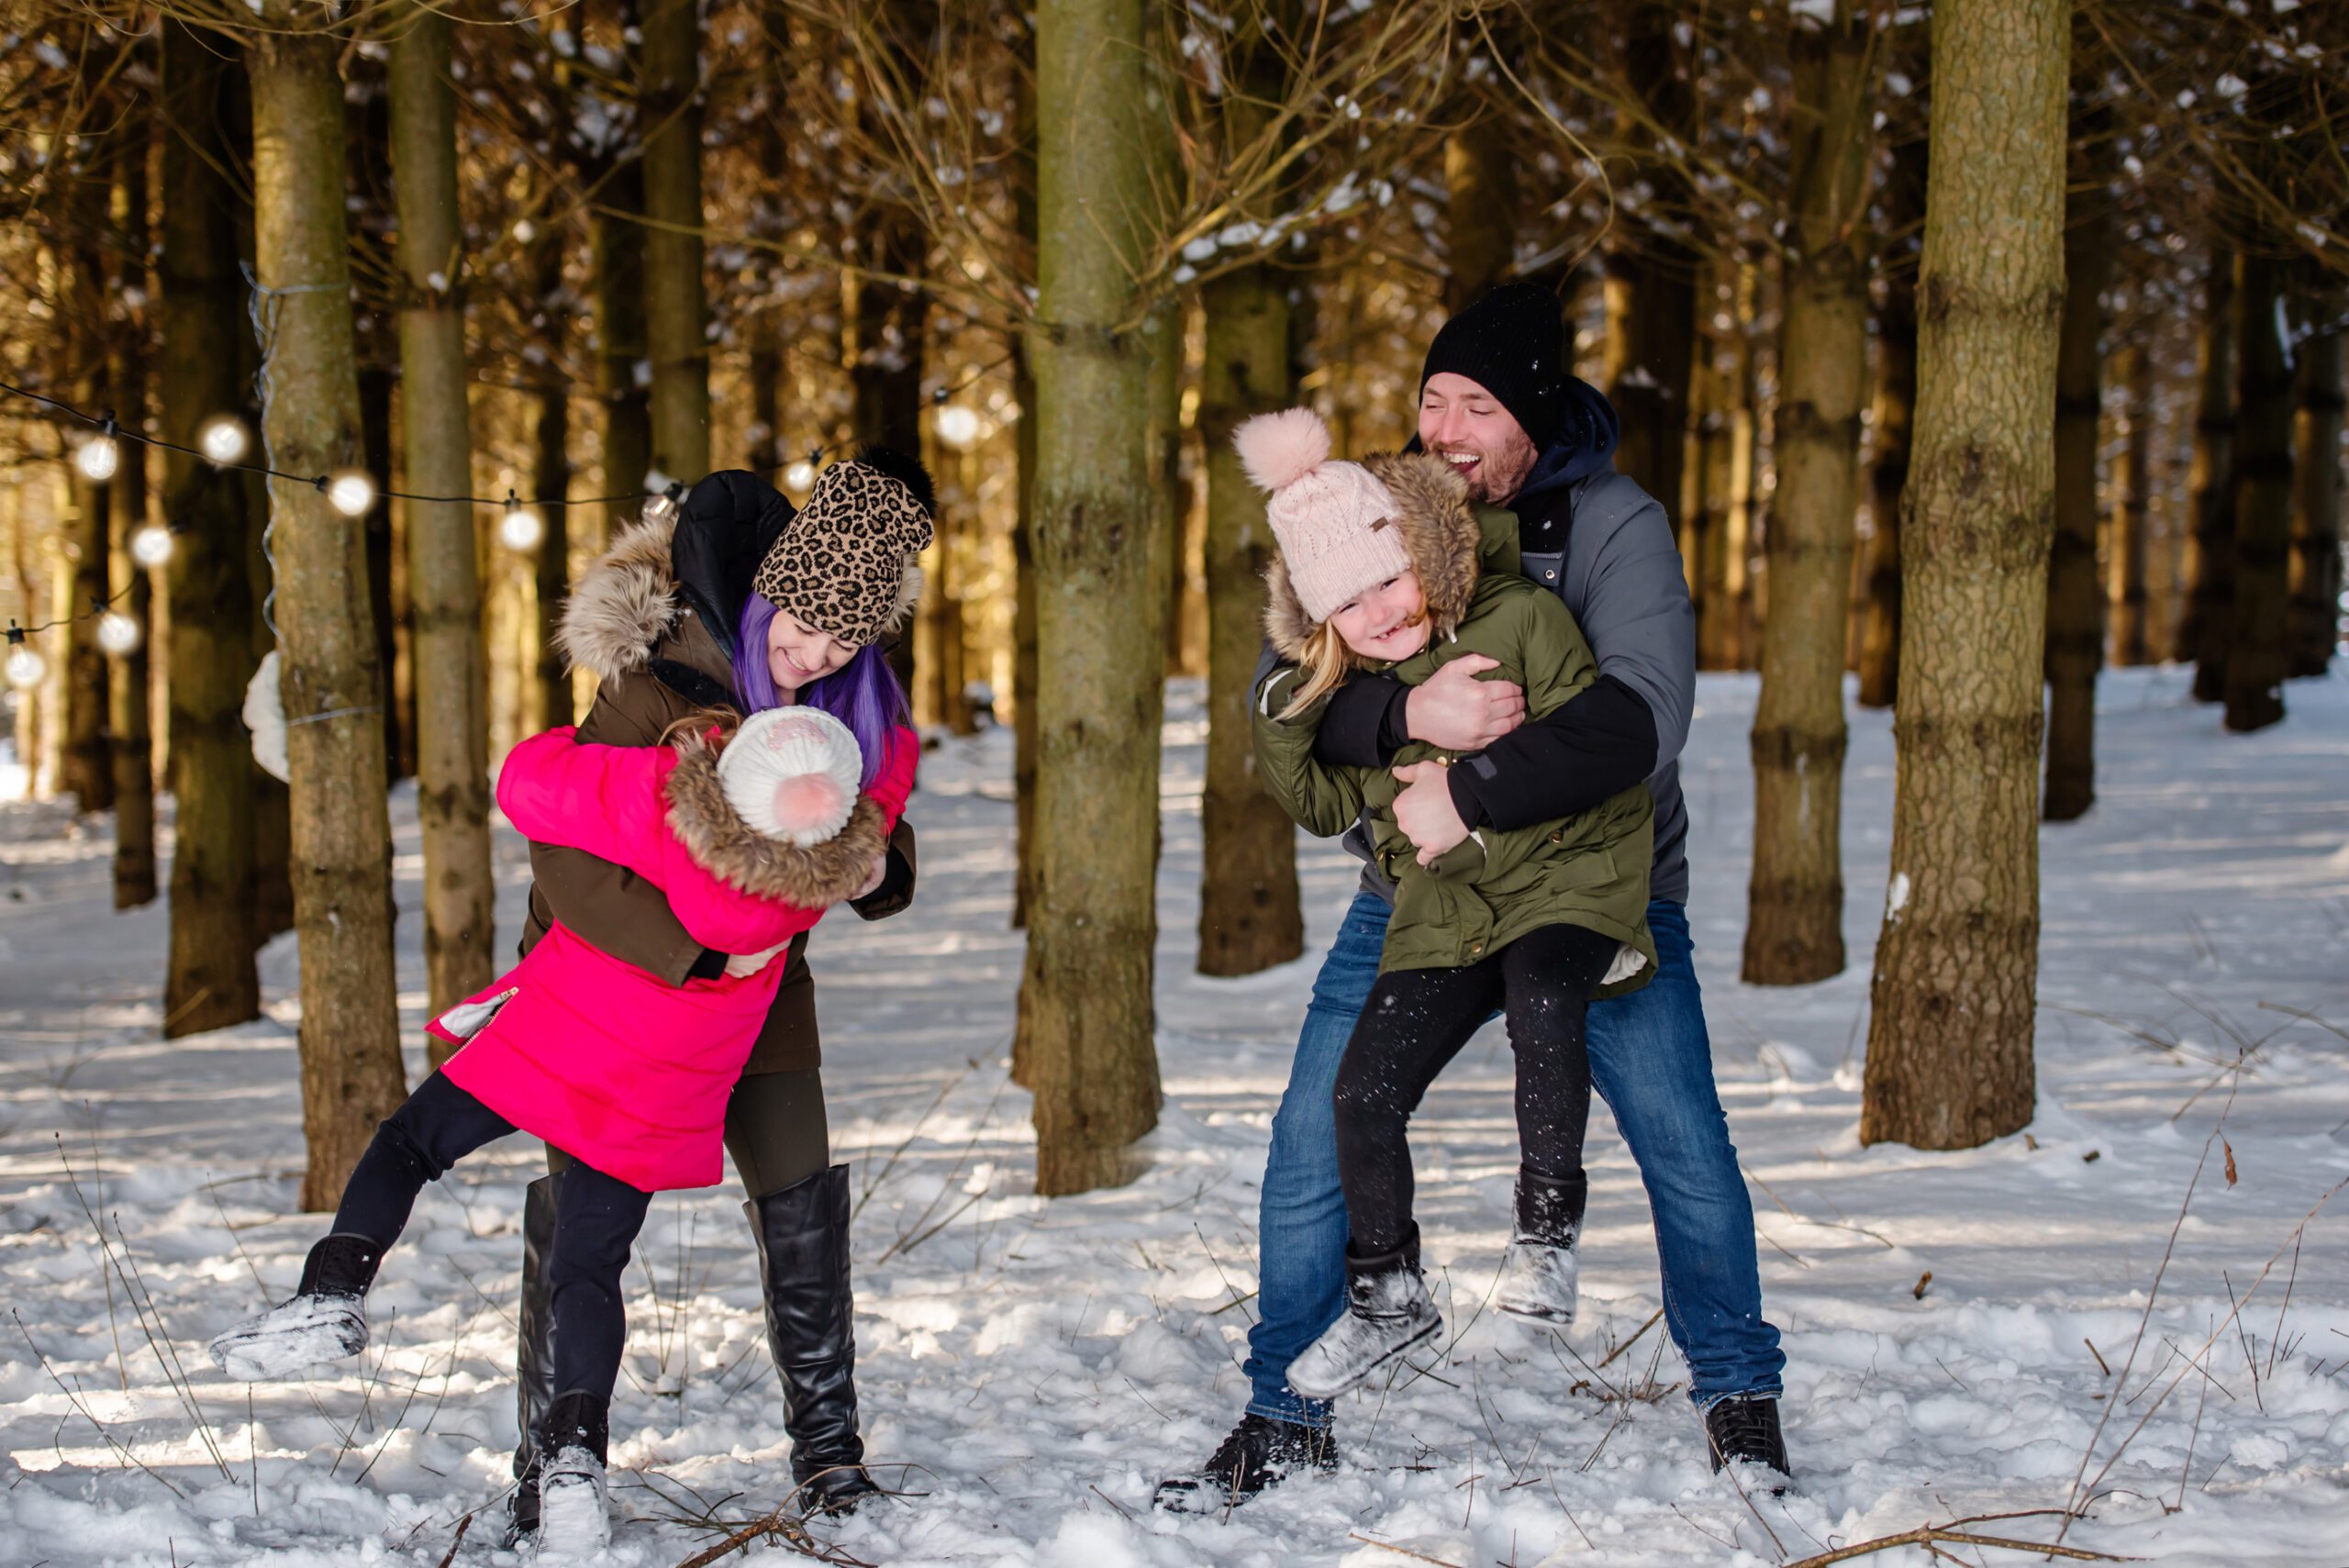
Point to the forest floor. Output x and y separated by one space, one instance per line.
1968 1334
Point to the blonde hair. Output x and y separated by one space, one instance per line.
1326 660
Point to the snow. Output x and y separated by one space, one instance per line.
1030 1368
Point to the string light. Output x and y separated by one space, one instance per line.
99 456
352 492
25 666
958 427
801 475
522 529
224 439
117 634
151 546
667 495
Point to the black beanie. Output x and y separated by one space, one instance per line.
1512 343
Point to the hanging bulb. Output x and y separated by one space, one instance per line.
222 438
25 667
99 456
958 427
352 492
669 494
151 546
522 529
117 634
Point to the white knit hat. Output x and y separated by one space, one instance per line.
1334 520
792 774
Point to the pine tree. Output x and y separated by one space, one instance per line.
2315 491
2258 655
676 317
2075 607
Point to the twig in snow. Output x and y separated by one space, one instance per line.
2192 1437
73 1397
2292 1281
1653 1318
1927 1536
2250 1361
1122 1511
1399 1550
450 1555
873 1183
2099 1354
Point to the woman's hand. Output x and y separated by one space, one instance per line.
1425 813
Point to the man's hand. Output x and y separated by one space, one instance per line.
1424 810
743 964
1456 710
873 881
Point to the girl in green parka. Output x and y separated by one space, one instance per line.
1382 568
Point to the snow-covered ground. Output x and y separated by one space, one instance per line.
1028 1369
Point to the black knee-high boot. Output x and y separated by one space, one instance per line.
803 1257
534 1355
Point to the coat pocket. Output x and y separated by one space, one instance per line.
468 1019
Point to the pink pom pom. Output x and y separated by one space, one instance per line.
1278 450
808 803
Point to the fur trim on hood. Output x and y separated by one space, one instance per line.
721 842
1440 534
624 605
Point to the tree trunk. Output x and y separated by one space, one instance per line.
1732 608
211 980
1480 210
1794 926
1651 292
551 482
1024 737
1896 410
2259 657
375 439
1704 476
617 254
1092 1055
351 1076
88 770
1249 915
2210 548
444 576
2134 369
1956 989
2075 617
676 317
130 693
2315 491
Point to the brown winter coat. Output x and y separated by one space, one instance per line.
656 663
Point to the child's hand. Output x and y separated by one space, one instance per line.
880 874
1424 810
743 964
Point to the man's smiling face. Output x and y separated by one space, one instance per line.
1466 426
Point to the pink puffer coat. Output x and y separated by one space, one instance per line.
603 1060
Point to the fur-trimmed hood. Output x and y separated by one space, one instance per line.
624 605
720 841
1439 532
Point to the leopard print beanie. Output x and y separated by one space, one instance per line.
845 564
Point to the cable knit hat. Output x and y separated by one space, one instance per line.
792 774
1334 520
845 564
1512 343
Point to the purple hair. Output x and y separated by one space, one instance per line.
862 694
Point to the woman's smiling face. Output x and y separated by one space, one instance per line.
799 655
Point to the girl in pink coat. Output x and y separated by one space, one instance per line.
751 836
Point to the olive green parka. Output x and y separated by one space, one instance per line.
1589 870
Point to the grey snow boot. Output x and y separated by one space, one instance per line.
325 1319
1537 1272
1388 1312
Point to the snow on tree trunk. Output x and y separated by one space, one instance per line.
1248 916
444 574
339 834
2259 655
676 314
2075 607
1092 920
2210 548
211 980
1794 925
1954 994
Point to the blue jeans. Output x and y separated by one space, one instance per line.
1653 1063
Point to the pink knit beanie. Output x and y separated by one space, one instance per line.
1334 520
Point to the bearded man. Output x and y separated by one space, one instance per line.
1500 403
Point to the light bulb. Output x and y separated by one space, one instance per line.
151 546
98 458
522 529
352 493
958 427
26 667
800 474
117 634
222 438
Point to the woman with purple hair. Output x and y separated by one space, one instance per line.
740 603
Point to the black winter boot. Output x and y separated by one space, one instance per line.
575 1499
534 1353
1388 1312
1743 1429
1538 1271
325 1319
1259 1453
804 1266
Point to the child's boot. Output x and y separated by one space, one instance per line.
324 1320
574 1500
1388 1312
1537 1272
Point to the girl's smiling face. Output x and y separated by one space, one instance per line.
1387 622
798 655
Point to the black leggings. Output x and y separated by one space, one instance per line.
1417 1020
596 1219
774 1129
